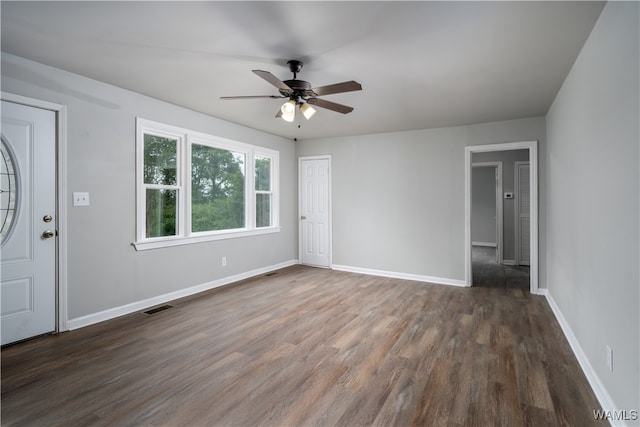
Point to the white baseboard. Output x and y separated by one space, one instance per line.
396 275
508 262
486 244
112 313
594 381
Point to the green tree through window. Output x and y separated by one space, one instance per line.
161 174
263 191
217 189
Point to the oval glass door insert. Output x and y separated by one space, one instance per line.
8 191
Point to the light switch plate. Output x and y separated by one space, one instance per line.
80 199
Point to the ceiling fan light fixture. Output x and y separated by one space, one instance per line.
307 111
288 110
288 107
288 117
300 93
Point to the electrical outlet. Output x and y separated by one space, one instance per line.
224 261
610 358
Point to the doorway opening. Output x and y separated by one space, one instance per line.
509 259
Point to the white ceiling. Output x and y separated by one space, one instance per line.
421 64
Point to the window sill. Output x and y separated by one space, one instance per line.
179 241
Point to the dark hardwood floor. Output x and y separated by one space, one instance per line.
308 346
489 274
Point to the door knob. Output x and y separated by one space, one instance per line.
48 234
303 217
47 218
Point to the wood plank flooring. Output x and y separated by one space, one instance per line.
488 273
309 347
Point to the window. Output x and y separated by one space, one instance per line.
161 185
195 187
264 192
217 189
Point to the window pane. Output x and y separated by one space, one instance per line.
8 192
160 160
263 174
217 189
263 210
161 212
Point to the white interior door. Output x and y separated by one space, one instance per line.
523 207
315 215
28 220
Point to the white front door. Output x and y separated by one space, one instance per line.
315 214
28 220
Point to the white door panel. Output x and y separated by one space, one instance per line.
28 286
523 207
314 212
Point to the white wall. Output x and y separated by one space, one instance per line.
483 205
593 230
104 270
398 198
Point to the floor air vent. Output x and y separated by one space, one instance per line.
157 309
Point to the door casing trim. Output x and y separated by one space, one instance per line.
61 197
532 146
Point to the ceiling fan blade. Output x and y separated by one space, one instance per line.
349 86
334 106
279 114
273 80
252 97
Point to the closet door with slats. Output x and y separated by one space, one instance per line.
523 207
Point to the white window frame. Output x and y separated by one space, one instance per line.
185 138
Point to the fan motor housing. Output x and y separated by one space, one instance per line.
300 88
